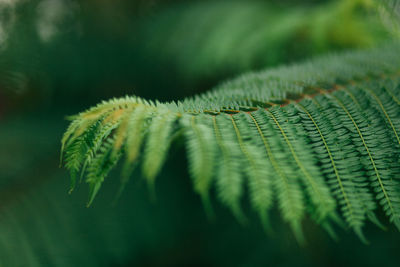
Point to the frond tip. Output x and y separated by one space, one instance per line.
317 138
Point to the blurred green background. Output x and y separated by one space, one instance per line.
58 57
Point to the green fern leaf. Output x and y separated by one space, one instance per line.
259 172
201 146
158 141
100 167
318 138
286 183
229 175
390 14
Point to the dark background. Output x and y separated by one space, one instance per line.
59 57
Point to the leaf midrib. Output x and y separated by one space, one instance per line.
369 153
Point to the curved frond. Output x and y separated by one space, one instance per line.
317 138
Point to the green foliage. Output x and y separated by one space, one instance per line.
206 39
390 14
202 151
315 138
41 225
137 45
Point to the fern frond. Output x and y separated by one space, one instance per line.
390 14
202 151
100 167
133 142
229 174
78 152
318 138
334 153
302 157
96 143
258 172
286 183
159 139
375 152
271 31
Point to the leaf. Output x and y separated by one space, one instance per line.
311 137
202 151
390 14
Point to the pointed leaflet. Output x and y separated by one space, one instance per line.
135 132
286 183
99 168
158 141
303 157
258 170
202 151
229 173
335 164
372 143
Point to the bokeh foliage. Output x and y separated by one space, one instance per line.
94 50
100 49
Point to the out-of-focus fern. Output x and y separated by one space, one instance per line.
198 40
210 40
316 137
390 14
